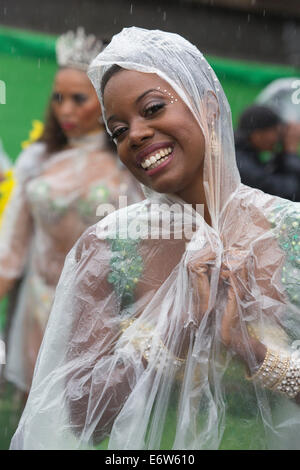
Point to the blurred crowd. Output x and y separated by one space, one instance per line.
267 152
267 141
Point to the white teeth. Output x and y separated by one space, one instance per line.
156 164
152 161
146 163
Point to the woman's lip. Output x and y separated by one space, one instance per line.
68 125
151 149
161 166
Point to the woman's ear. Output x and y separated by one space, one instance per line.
212 107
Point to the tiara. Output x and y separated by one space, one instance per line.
77 49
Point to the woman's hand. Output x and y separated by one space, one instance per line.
200 269
234 275
234 335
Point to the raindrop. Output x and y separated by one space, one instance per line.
39 63
248 18
4 10
131 8
165 16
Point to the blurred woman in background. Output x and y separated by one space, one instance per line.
60 182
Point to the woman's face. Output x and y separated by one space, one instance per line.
75 103
157 137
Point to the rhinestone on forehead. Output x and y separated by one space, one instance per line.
168 93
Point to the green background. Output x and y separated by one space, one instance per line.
27 66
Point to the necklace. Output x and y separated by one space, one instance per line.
97 138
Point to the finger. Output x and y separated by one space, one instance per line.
230 318
199 269
204 293
202 258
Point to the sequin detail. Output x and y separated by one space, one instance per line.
98 194
288 237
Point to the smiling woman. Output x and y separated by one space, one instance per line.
151 118
173 342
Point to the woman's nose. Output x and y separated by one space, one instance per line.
139 132
66 108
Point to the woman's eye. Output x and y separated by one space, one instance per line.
115 134
154 108
57 97
79 98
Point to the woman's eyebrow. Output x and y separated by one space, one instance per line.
146 93
136 101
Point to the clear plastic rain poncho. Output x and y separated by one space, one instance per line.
133 356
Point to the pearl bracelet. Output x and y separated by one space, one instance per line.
279 373
290 384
